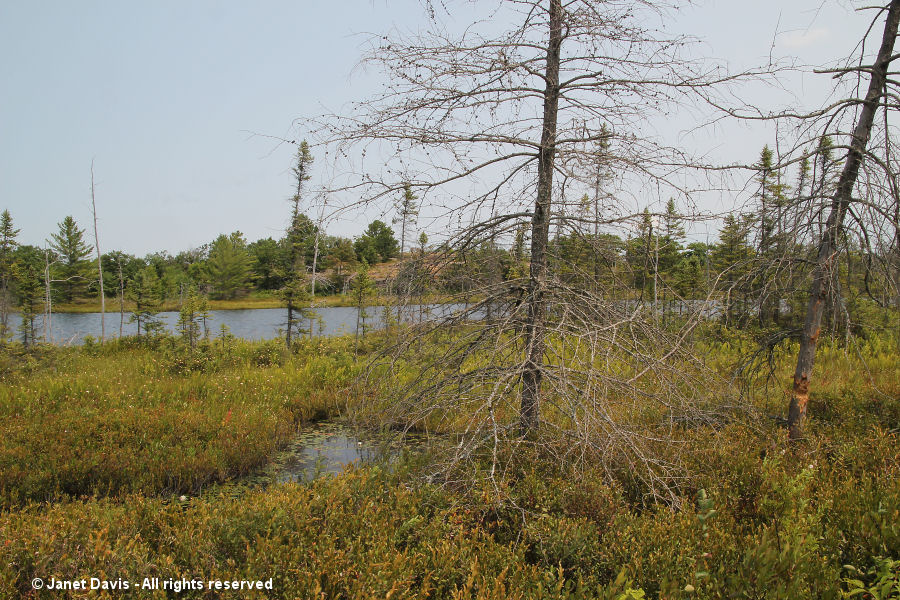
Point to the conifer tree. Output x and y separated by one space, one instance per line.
731 260
68 243
301 242
407 211
146 293
229 265
8 270
29 263
362 289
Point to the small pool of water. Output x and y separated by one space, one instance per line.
328 448
320 449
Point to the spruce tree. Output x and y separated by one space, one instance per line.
8 270
29 263
407 211
68 243
229 265
146 293
362 288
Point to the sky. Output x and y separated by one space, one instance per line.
174 103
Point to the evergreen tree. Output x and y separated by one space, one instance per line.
766 177
407 211
301 170
192 318
341 256
8 270
299 250
771 237
299 242
377 243
640 253
519 268
68 243
268 264
689 276
29 286
362 288
670 244
822 187
296 295
731 260
146 293
229 265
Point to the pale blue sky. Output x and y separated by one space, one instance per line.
161 96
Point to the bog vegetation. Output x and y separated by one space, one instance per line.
111 459
613 408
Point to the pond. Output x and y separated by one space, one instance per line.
269 323
250 324
328 448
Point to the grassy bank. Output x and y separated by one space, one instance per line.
96 444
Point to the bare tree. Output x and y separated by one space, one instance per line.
511 125
121 295
842 203
99 262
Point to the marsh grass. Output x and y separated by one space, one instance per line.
757 519
132 418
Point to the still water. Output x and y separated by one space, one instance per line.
251 324
269 323
325 448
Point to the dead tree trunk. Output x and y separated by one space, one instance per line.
48 302
121 298
540 232
826 259
312 285
99 263
290 322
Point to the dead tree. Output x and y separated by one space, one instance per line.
504 114
841 204
99 262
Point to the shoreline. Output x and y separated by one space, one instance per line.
332 301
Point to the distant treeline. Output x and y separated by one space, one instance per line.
755 269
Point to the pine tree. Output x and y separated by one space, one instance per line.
639 252
192 318
296 297
766 176
68 243
362 287
377 243
146 293
731 260
670 244
301 246
407 211
29 263
8 269
229 265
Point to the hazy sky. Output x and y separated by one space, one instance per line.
161 96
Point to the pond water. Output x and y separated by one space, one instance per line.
327 448
269 323
250 324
